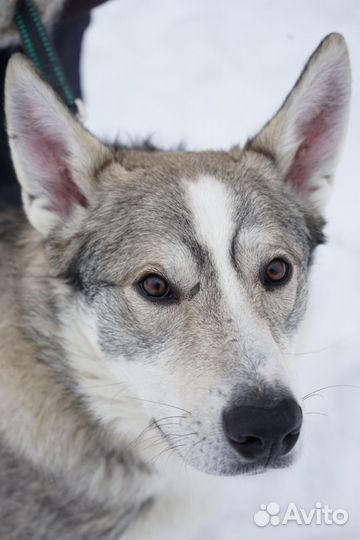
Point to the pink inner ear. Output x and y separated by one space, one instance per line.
316 146
66 193
54 175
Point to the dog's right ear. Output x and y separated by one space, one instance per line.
305 137
55 158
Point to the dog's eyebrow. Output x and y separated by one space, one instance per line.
233 249
198 251
285 247
279 247
194 290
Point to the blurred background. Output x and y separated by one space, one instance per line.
209 74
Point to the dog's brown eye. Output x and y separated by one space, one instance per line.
277 272
155 286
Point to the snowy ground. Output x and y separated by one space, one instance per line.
210 73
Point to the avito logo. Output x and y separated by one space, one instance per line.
270 514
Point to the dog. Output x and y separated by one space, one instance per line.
150 302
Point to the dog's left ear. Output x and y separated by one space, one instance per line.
305 136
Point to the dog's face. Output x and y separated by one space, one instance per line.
191 267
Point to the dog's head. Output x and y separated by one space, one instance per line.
190 270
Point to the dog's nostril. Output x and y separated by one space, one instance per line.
248 443
248 446
289 441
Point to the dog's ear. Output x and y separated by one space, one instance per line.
305 136
55 158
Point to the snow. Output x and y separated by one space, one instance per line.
210 74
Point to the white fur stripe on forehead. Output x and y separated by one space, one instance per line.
212 209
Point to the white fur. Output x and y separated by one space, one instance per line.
178 491
212 209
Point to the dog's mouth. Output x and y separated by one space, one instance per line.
228 463
252 468
259 467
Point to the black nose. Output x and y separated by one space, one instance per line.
263 432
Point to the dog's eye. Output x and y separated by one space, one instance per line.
277 272
154 286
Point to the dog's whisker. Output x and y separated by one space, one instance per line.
168 449
354 386
138 398
153 436
153 444
166 424
113 399
146 439
29 276
317 351
170 454
155 423
192 446
316 412
313 395
90 387
177 417
169 423
162 440
181 434
170 435
161 403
